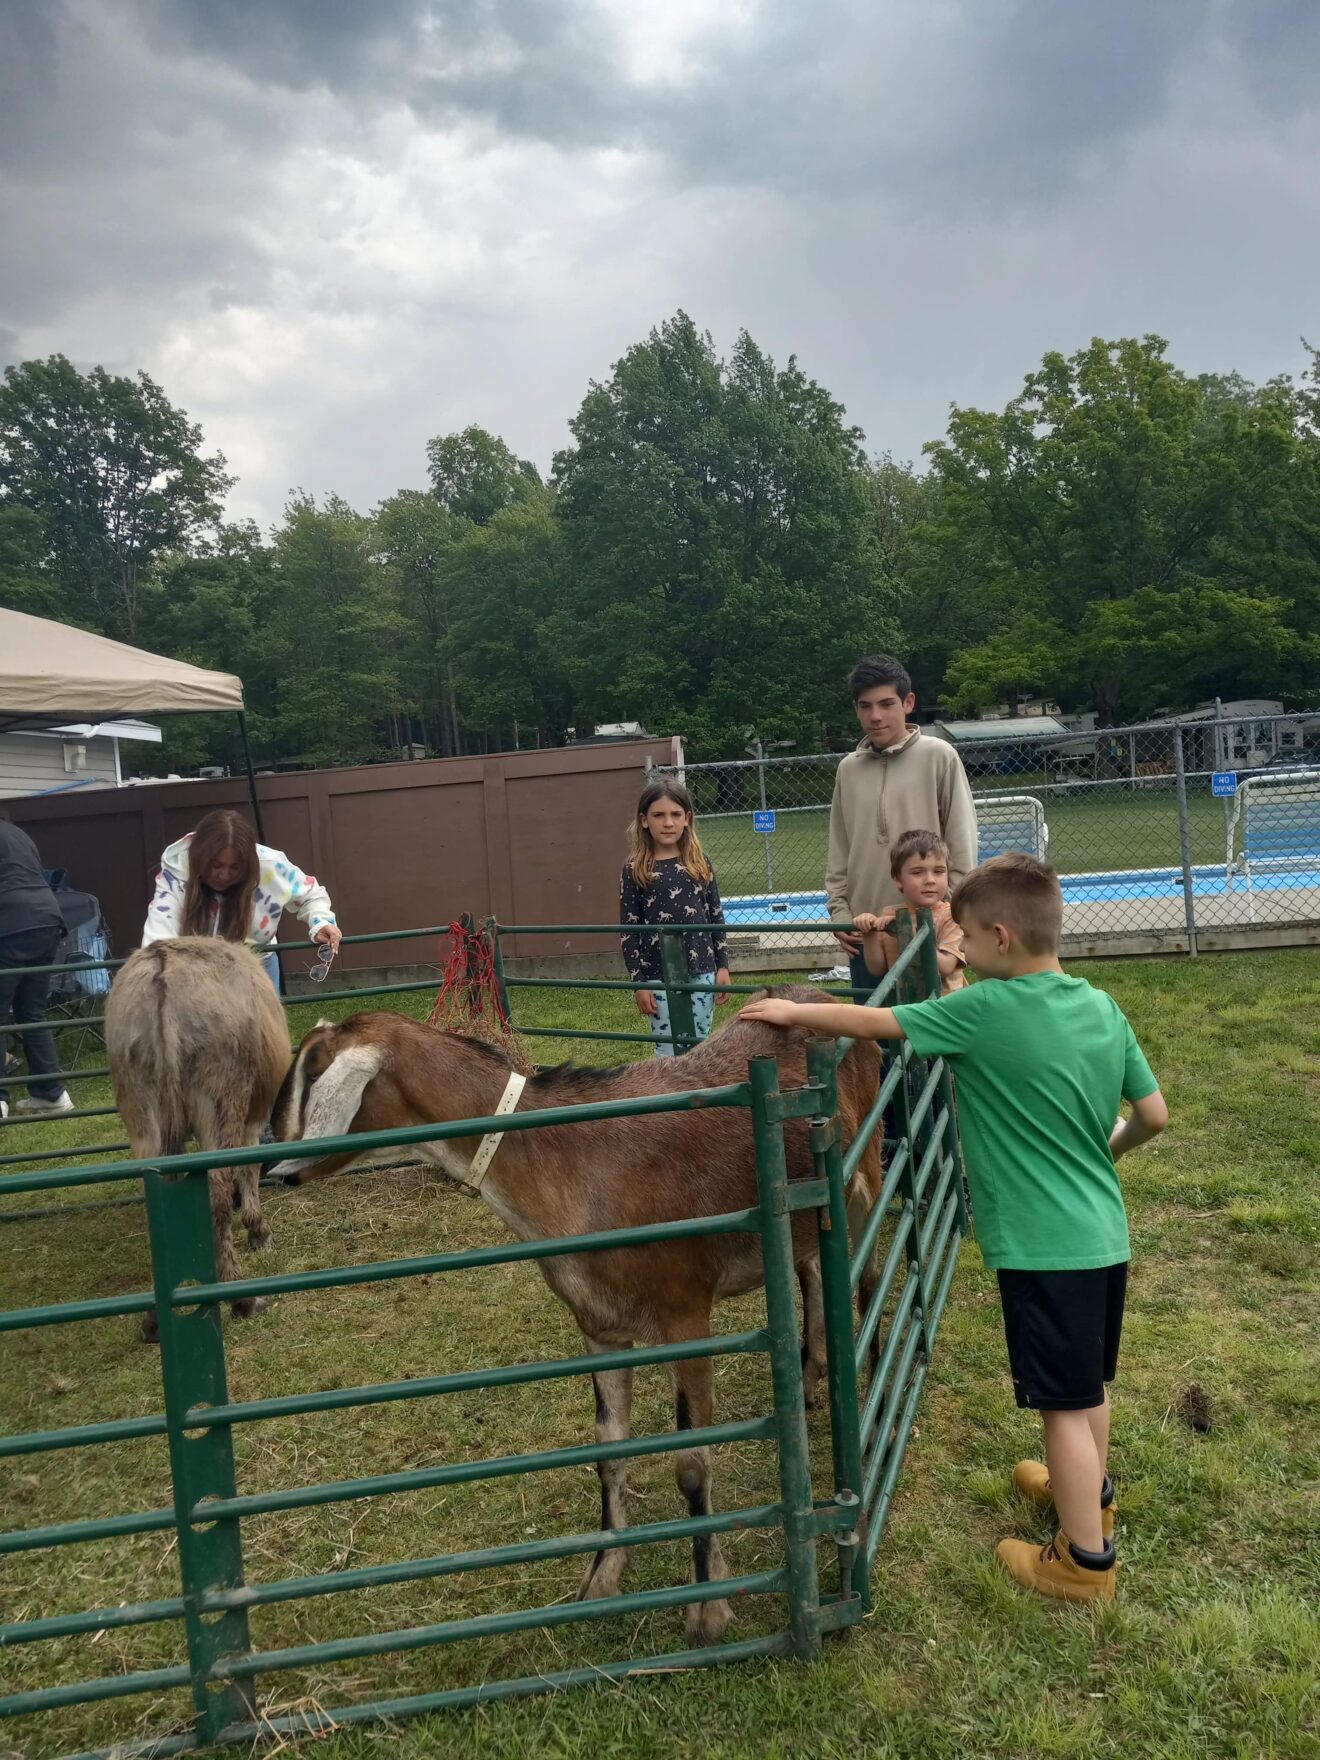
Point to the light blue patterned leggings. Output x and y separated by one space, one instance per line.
703 1010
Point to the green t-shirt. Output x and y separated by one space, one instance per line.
1040 1063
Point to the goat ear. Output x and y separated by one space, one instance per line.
333 1103
320 1055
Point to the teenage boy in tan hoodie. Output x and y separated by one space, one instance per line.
897 780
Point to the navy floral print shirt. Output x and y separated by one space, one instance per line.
672 897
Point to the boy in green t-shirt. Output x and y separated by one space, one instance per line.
1042 1062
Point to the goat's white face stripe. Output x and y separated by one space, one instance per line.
298 1098
331 1106
334 1100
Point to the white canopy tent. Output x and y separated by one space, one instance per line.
52 675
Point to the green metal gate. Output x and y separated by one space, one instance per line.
915 1228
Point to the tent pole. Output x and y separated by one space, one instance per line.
252 780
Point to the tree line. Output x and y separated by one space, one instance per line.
707 556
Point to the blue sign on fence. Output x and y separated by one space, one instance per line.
763 821
1223 782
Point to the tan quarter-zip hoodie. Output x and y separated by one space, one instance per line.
917 785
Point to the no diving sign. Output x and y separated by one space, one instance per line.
763 821
1223 782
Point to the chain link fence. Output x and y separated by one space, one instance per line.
1172 836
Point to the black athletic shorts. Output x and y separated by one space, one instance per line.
1063 1329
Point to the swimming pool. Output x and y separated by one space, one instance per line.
1118 886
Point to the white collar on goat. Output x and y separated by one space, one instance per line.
491 1141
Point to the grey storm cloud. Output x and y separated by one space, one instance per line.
316 220
984 104
1279 42
1012 92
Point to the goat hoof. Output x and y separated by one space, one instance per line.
707 1622
603 1576
150 1328
247 1306
259 1238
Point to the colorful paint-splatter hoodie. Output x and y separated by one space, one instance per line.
281 884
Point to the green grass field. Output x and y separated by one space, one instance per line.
1212 1648
1089 832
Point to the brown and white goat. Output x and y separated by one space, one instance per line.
198 1046
380 1071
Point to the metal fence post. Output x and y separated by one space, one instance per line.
914 986
674 971
1184 838
835 1268
1223 755
785 1359
769 857
908 1178
492 929
192 1360
932 985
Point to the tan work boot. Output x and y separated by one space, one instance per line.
1052 1570
1032 1481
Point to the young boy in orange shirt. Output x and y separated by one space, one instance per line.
919 864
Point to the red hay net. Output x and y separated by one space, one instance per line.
469 1000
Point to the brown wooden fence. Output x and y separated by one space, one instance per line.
530 837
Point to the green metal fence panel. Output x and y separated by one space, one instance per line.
785 1360
673 968
914 1228
199 1420
192 1361
845 1432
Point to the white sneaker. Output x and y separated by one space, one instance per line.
4 1109
31 1106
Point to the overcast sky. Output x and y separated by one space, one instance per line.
334 228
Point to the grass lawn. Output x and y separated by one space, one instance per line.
1089 832
1213 1647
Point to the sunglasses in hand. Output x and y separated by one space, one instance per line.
321 970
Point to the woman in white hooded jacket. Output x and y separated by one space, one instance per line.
218 880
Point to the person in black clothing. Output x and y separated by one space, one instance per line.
668 879
31 929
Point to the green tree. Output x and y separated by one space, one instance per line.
26 582
416 537
901 507
511 628
1281 549
475 475
213 606
114 475
722 546
333 633
1100 538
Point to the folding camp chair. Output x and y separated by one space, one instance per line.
1011 822
80 986
1280 818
